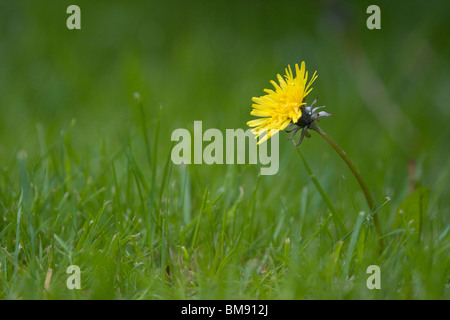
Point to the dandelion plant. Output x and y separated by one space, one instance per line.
286 108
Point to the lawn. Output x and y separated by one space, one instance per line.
86 176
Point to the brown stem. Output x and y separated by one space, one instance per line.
356 173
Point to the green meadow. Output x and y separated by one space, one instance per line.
86 176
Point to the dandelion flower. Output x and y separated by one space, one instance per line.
285 106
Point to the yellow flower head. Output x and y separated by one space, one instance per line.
283 106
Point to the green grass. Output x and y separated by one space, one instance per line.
101 192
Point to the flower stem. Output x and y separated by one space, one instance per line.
356 173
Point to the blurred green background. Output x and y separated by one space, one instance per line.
201 60
388 89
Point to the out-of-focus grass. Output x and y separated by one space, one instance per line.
101 192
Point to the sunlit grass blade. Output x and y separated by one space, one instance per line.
322 192
368 217
352 245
